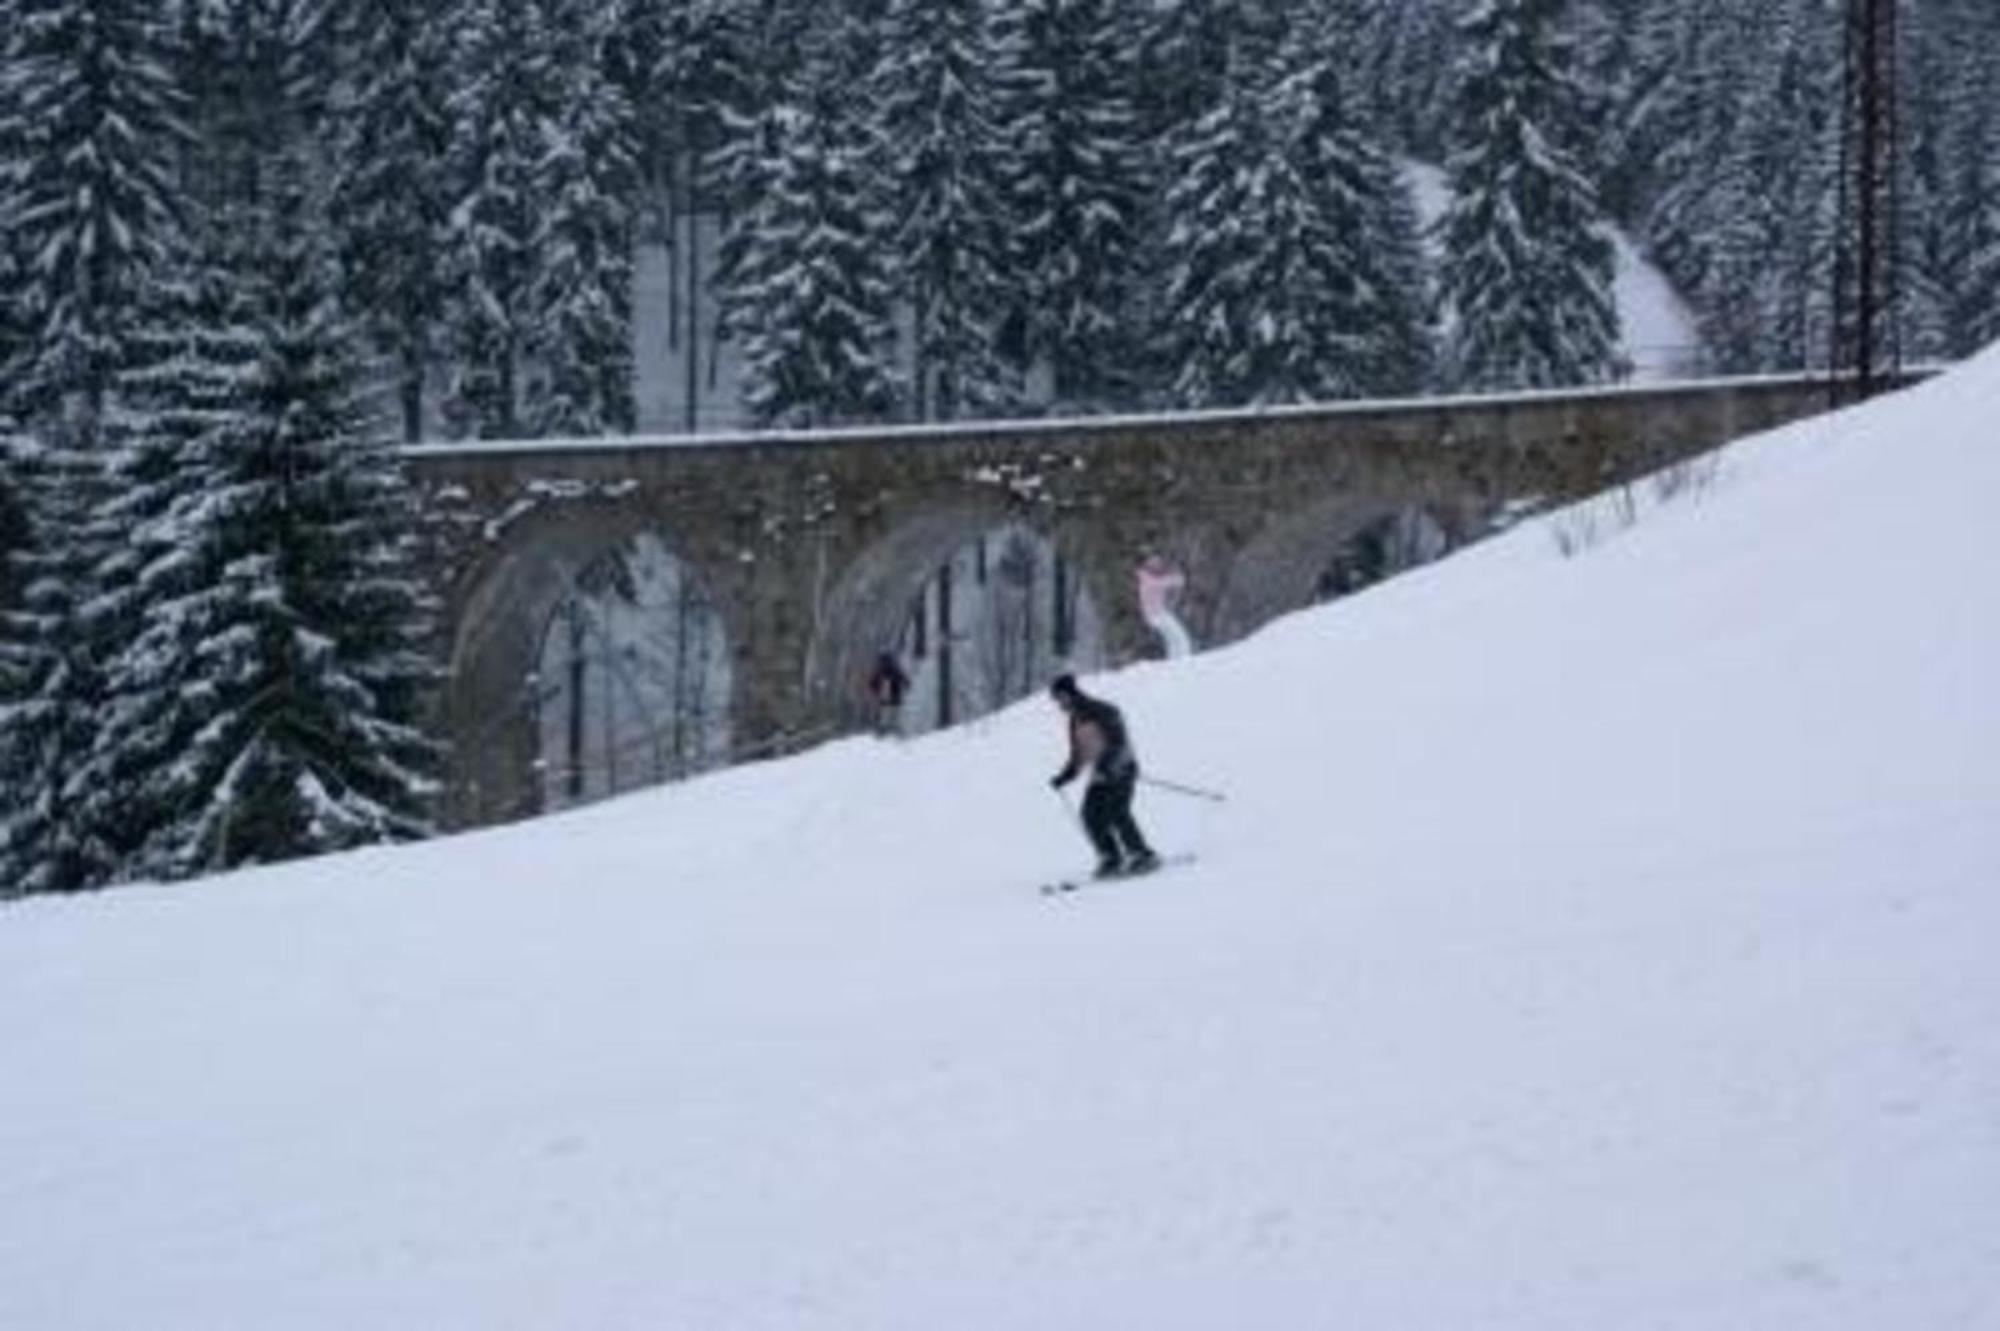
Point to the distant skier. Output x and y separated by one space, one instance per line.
1097 740
887 685
1160 585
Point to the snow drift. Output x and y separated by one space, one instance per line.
1603 941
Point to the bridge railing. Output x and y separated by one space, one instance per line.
1660 379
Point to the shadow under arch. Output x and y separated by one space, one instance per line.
1328 549
979 604
556 693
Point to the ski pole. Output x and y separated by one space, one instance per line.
1194 792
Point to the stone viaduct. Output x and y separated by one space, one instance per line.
812 545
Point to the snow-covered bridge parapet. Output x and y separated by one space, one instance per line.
809 550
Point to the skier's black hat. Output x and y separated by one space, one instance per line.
1064 686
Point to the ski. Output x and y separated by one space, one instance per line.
1065 886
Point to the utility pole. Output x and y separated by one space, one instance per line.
944 634
1867 338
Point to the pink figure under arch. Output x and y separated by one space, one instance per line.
1160 585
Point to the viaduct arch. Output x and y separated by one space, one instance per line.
809 547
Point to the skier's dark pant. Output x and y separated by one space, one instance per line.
1107 817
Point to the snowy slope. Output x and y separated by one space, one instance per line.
1594 942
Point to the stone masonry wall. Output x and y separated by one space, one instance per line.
813 545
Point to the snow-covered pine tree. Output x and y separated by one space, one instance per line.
90 201
1078 172
1968 194
730 62
1606 34
804 279
232 59
1239 221
88 132
936 103
17 660
1738 292
766 44
51 679
1384 296
1292 264
1733 158
1757 247
586 201
497 107
1923 195
1732 128
258 624
1190 49
390 199
1677 127
1973 314
13 263
296 624
1526 273
649 33
1401 51
184 390
707 67
1799 171
15 451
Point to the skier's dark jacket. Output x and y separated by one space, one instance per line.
887 683
1096 728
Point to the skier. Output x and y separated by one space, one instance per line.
1160 584
1097 740
886 686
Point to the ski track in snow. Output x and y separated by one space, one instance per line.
1593 942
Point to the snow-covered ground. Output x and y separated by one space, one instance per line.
1590 942
1657 330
